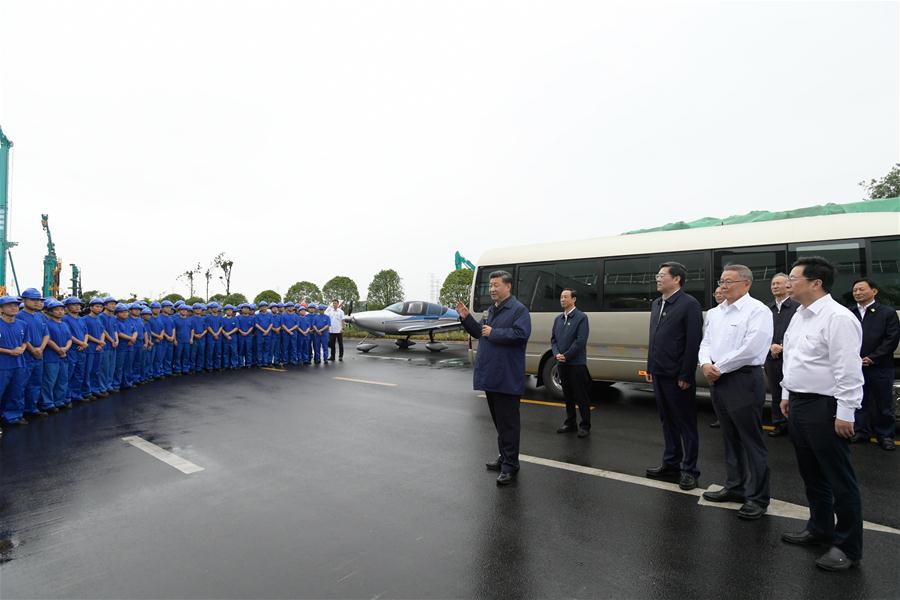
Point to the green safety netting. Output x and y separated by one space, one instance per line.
756 216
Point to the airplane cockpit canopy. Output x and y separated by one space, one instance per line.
417 307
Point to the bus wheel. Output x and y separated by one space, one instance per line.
550 377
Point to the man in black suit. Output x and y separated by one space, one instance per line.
676 328
783 308
881 334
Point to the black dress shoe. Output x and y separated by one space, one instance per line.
859 438
493 466
20 422
801 538
835 560
715 424
750 511
723 495
779 431
583 433
888 444
687 481
53 410
506 478
663 471
39 414
567 429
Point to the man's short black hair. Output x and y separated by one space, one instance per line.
572 292
867 281
816 267
676 269
504 275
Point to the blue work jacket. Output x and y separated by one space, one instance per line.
500 363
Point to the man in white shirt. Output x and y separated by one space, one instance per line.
822 388
336 330
734 347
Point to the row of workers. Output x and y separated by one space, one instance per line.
52 355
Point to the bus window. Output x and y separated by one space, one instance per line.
849 258
535 287
765 263
885 271
483 285
583 277
629 283
697 280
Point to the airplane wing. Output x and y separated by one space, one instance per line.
432 326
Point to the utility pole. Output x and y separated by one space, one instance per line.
5 244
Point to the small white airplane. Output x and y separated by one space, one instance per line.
405 318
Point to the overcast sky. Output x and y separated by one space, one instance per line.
311 139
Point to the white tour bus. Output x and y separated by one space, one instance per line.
615 278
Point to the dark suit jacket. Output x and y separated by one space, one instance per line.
780 321
881 334
500 362
675 337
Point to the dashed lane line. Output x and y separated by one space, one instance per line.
777 508
365 381
541 402
173 460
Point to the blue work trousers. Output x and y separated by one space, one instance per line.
124 364
12 393
53 386
34 376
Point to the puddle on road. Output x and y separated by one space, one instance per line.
8 547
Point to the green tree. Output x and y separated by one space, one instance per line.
385 289
886 187
194 300
94 294
302 291
340 287
235 299
456 287
269 296
220 298
173 297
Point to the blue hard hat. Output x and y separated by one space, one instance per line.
242 305
109 299
321 307
263 303
52 303
95 300
288 304
301 307
229 306
146 311
155 305
183 306
8 300
252 306
135 306
121 308
165 303
197 305
72 300
214 305
31 294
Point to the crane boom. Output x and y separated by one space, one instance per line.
5 244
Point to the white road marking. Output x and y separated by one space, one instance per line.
777 508
365 381
183 465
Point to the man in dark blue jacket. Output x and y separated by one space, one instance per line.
881 334
500 367
569 344
676 329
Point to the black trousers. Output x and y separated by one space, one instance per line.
678 413
738 398
774 375
576 385
824 461
877 412
505 413
339 339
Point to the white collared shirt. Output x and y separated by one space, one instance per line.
566 314
737 335
821 355
862 309
337 320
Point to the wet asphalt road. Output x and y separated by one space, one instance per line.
315 487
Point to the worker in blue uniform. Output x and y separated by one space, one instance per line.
168 344
78 389
96 348
55 381
198 348
289 334
245 330
126 336
324 327
214 337
264 335
230 335
277 319
139 348
314 333
36 339
12 363
304 332
108 362
156 340
147 362
184 327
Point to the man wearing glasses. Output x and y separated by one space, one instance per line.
821 390
732 354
